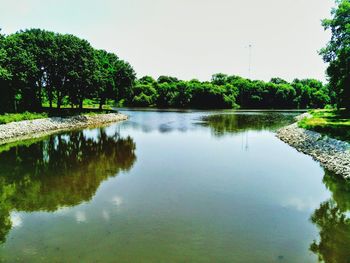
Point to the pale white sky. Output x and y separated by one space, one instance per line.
190 38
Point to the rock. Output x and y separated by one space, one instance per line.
331 153
35 128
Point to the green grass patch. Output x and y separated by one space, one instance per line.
47 112
12 117
334 123
87 104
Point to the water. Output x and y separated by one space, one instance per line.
187 186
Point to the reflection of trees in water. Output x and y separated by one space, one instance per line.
333 221
5 223
64 170
240 122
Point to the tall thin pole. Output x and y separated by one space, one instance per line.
250 61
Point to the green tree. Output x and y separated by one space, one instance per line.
105 87
7 99
124 79
278 81
73 74
337 52
168 79
219 79
147 80
40 45
167 94
144 95
21 64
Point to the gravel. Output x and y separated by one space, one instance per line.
331 153
36 128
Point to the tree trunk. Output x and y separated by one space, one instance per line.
59 100
102 101
40 96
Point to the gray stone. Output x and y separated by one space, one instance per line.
331 153
36 128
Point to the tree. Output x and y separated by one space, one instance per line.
6 98
39 66
219 79
144 95
124 79
80 70
103 76
278 81
74 67
40 45
337 52
167 79
21 64
147 80
167 94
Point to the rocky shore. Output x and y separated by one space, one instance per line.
333 154
36 128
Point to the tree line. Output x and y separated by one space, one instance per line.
38 66
224 91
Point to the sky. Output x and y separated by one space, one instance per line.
190 38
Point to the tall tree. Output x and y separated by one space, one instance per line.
7 99
124 79
80 70
337 52
21 64
104 73
39 44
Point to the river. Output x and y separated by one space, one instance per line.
171 186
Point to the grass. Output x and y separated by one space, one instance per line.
12 117
47 112
88 104
334 123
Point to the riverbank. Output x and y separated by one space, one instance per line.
40 127
332 122
333 154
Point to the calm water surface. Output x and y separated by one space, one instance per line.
171 187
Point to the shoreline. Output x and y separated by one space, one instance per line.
332 154
29 129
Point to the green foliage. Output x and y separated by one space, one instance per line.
11 117
144 95
337 52
39 66
225 91
335 123
89 109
